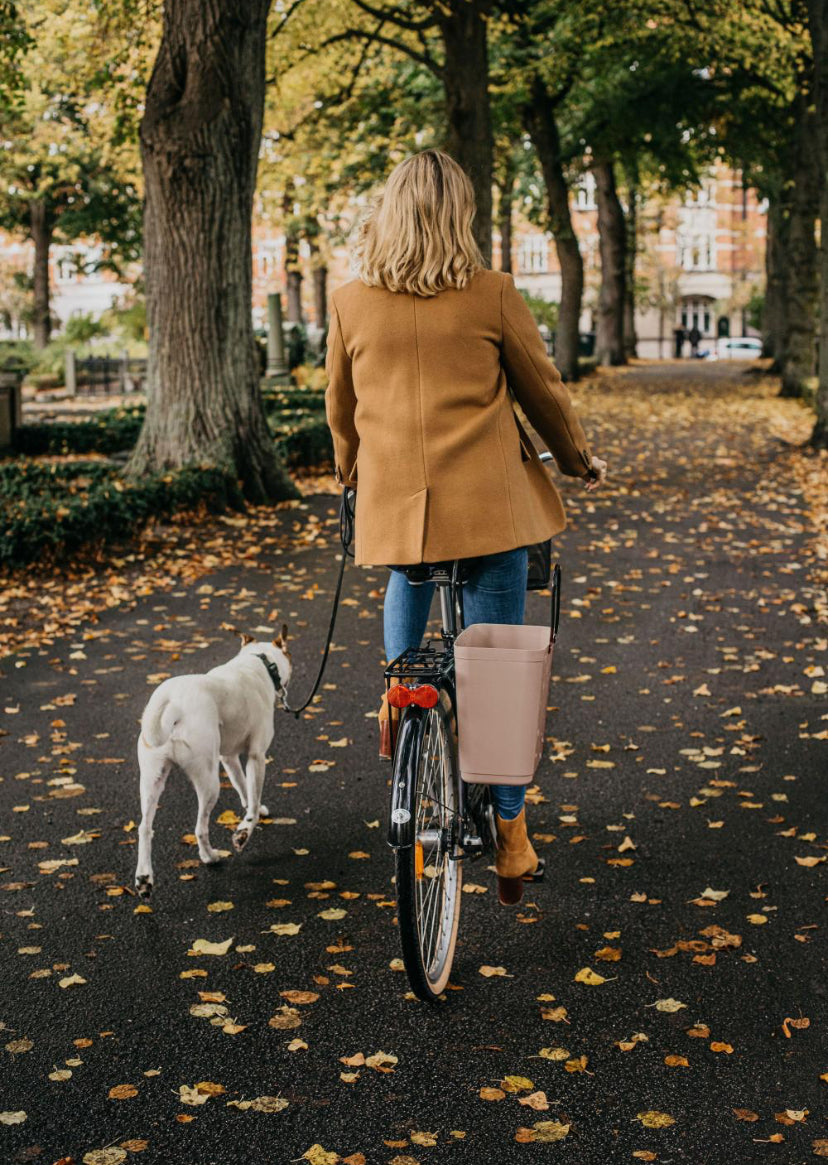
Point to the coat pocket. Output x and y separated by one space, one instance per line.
526 446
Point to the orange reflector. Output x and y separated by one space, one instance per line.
399 696
419 863
426 696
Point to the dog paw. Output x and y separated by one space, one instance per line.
264 811
240 839
143 885
209 856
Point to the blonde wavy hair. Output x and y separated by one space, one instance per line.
418 237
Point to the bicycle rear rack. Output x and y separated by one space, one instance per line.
422 665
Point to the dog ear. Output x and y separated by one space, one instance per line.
245 638
281 638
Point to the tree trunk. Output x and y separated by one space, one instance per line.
612 239
802 256
199 138
505 212
294 295
319 272
463 27
320 295
542 127
631 255
773 313
40 226
818 27
293 269
819 437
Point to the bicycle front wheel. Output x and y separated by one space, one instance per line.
429 876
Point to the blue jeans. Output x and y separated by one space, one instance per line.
495 593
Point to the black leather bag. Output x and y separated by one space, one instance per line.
540 565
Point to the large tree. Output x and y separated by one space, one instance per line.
818 27
448 39
336 122
63 175
200 137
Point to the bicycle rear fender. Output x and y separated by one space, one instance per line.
401 819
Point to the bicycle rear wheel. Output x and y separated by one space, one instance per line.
429 878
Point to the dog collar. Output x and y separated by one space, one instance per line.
272 671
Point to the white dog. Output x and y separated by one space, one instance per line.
195 722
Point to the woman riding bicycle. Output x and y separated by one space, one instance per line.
424 349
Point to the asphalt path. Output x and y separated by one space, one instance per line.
686 754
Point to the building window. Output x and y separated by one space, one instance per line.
533 254
585 192
696 313
266 261
696 252
67 269
704 195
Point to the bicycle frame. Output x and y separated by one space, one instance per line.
426 665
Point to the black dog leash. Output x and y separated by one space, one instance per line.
346 534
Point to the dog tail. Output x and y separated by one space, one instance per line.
159 722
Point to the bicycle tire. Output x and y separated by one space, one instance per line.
428 901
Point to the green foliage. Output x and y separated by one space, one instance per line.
296 417
278 399
49 362
128 319
14 41
56 144
305 442
544 310
19 352
51 511
80 329
110 431
755 307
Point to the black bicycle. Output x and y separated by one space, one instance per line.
437 821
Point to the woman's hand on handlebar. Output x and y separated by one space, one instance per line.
597 474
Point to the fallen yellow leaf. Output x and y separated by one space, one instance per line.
319 1156
590 977
203 946
652 1119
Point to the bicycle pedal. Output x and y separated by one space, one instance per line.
538 873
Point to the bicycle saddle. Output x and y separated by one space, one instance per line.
422 572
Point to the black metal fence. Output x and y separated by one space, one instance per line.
105 375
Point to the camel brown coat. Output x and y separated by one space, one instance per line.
423 423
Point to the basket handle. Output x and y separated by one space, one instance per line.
555 591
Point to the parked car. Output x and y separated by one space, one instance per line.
734 348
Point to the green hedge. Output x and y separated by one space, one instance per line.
116 430
49 512
276 399
305 442
110 431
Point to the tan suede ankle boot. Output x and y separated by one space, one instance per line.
388 725
515 861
